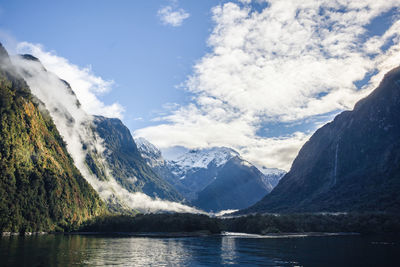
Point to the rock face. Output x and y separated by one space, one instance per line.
40 187
126 163
351 163
212 179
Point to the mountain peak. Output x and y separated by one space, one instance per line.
4 57
29 57
148 150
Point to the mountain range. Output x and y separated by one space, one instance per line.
212 179
107 156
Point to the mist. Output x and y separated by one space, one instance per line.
77 129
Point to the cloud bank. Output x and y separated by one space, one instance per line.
87 86
279 66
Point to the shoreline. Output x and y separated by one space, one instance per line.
187 234
288 235
23 234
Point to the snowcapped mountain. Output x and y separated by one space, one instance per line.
271 175
214 178
201 158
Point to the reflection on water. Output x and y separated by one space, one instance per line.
228 250
136 251
67 250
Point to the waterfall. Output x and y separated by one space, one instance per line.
335 168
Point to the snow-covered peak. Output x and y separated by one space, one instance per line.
201 158
271 175
149 152
146 147
271 171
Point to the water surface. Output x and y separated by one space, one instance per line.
95 250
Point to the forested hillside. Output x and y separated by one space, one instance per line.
40 188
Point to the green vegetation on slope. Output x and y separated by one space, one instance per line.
40 188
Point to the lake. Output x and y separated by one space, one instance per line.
243 250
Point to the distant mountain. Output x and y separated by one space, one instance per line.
212 179
40 187
351 163
102 148
150 152
271 175
237 185
198 168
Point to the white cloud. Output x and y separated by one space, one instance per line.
245 1
172 16
291 61
86 85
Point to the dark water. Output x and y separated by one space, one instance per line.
80 250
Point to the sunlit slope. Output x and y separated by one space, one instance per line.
40 188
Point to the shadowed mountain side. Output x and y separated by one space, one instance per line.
350 164
238 185
127 165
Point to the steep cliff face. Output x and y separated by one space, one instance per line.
350 164
40 187
126 163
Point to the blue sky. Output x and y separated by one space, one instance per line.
124 42
259 76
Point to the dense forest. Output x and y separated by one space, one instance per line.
172 222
